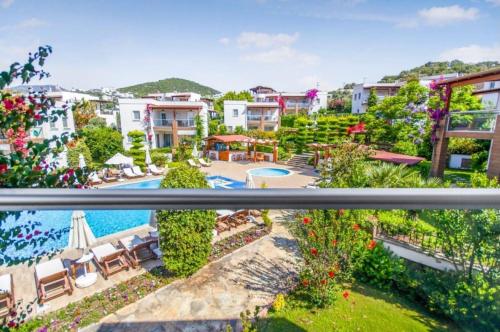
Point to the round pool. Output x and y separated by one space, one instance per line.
269 172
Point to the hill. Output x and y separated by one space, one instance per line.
444 67
169 85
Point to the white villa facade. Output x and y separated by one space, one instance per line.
361 92
251 115
172 117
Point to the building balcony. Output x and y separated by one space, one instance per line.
472 121
162 122
188 123
269 118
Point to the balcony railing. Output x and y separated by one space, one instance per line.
472 121
162 122
185 123
147 199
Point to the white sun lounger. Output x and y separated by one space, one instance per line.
137 171
49 275
6 294
204 163
136 249
129 173
109 259
94 178
192 163
153 169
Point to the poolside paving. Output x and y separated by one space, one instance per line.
217 294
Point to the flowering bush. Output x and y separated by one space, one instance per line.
331 242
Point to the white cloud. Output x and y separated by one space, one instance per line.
224 41
6 3
494 2
447 15
472 53
265 40
282 54
30 23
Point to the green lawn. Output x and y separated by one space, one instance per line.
457 175
366 309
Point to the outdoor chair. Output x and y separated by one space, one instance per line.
137 171
52 280
137 250
192 163
110 179
129 174
109 259
155 170
204 163
6 294
95 179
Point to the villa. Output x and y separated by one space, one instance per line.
172 118
262 115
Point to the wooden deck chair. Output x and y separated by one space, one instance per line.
109 259
137 250
7 300
52 280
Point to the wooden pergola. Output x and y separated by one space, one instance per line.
214 142
439 152
318 147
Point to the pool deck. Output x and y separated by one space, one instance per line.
23 274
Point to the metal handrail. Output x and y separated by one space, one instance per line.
147 199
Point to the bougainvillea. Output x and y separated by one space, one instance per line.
437 109
147 124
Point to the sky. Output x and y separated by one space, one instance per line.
290 45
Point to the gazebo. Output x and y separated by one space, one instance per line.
218 147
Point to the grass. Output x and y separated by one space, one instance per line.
366 309
457 175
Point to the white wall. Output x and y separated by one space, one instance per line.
230 120
358 95
456 160
321 102
127 108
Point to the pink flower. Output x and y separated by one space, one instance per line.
20 235
37 117
8 104
71 172
29 236
37 232
3 168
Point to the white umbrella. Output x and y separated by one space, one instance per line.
249 184
80 234
81 161
148 156
119 159
194 153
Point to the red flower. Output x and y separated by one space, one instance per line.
323 281
37 117
305 282
37 168
19 100
65 177
3 168
372 244
356 227
307 220
345 295
13 313
331 274
11 324
334 243
314 251
70 172
8 104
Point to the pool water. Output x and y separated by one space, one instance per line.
269 172
101 222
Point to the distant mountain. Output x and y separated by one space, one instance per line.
169 85
437 68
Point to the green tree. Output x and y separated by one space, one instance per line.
199 130
136 151
232 95
372 98
185 235
103 142
83 113
239 130
74 151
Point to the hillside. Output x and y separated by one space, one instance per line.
444 67
169 85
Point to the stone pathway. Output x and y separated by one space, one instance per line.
218 293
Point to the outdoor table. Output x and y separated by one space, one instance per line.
86 279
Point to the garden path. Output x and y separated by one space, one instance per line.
218 293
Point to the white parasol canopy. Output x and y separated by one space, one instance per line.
80 234
119 159
81 161
148 156
195 153
249 184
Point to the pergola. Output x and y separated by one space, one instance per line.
439 153
318 147
214 142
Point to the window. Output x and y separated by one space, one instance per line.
65 122
235 113
355 96
52 125
492 85
136 115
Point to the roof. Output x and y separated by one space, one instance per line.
482 76
229 138
396 158
271 104
383 85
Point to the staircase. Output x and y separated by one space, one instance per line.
300 160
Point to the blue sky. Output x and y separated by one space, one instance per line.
236 44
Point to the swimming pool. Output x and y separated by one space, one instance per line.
101 222
269 172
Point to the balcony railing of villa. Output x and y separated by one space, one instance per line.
185 123
473 121
263 117
162 122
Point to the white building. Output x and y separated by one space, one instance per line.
361 92
172 117
251 115
295 102
490 92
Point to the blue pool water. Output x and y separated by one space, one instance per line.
102 222
269 171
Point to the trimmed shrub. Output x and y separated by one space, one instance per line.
136 150
185 235
103 142
405 147
158 158
74 154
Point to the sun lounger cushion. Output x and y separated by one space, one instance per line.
130 242
104 250
128 172
137 170
49 268
5 283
